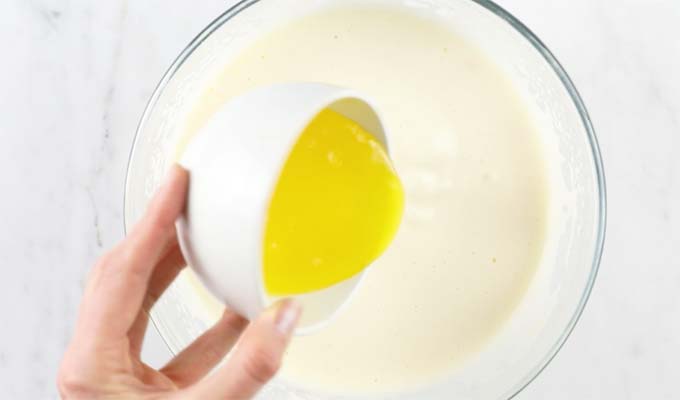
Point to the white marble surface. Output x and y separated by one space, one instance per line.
75 76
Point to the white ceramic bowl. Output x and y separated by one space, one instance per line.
235 161
528 344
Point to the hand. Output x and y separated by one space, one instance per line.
103 358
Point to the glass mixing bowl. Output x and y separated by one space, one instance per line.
560 289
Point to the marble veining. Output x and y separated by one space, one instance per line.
76 75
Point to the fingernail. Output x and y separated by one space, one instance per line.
287 315
167 179
172 173
171 176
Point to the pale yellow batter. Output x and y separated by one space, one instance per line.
476 193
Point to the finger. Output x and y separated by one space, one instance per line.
163 275
156 230
120 284
256 358
201 356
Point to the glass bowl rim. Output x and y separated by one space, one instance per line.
547 55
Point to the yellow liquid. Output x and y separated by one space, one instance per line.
335 209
